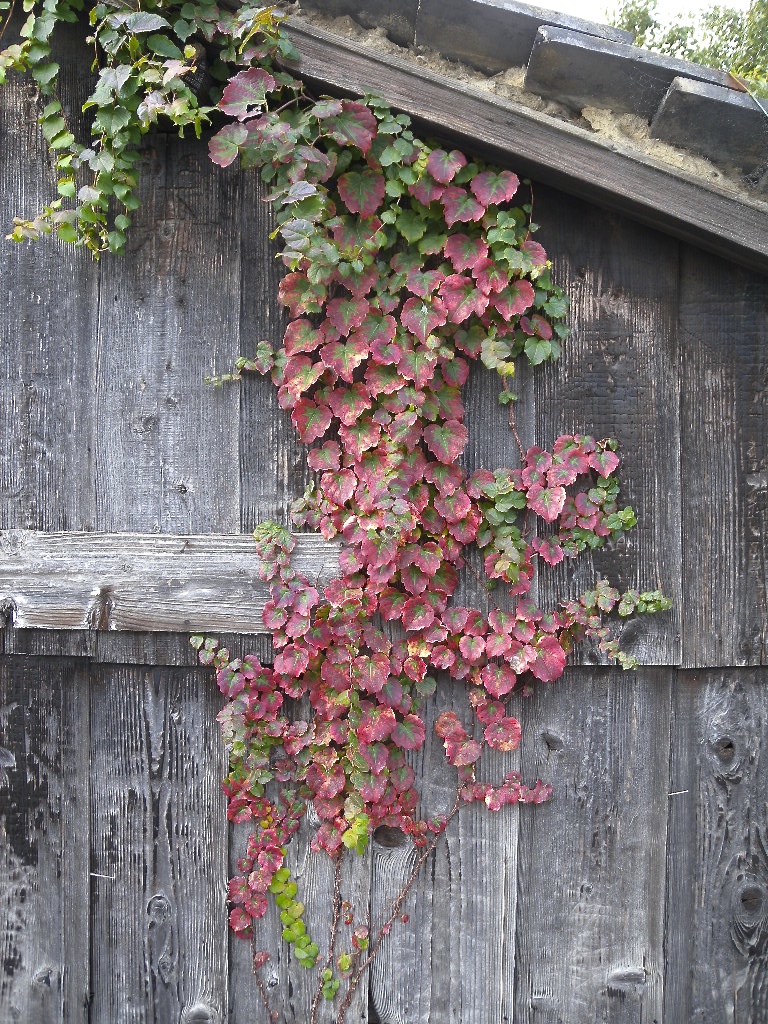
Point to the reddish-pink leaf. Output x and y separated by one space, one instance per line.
299 375
494 187
239 920
498 680
418 613
371 671
271 858
326 782
362 191
297 294
339 487
465 253
503 735
245 94
409 733
463 753
453 507
605 462
448 726
310 419
375 755
459 206
359 437
514 299
546 502
291 661
445 166
343 358
490 276
549 550
550 660
326 457
535 252
353 125
424 283
302 336
426 189
346 314
421 317
348 404
472 648
446 441
376 723
225 145
462 298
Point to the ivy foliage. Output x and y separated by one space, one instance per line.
405 261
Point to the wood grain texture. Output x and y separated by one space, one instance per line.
47 332
590 932
158 849
138 583
166 442
273 462
717 865
44 828
453 961
724 387
618 377
551 151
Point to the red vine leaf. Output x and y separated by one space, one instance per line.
444 166
465 253
494 187
245 94
421 318
460 206
354 125
311 420
503 735
225 145
409 733
448 441
362 191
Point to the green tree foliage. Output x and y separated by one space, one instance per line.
720 37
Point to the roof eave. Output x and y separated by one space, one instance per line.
551 151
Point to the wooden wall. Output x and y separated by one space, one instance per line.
639 894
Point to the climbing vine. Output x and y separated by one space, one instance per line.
405 261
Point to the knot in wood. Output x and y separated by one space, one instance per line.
200 1013
749 914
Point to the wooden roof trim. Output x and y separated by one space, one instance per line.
553 152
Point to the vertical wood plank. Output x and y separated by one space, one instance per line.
166 455
158 849
590 931
717 876
724 333
453 961
618 377
273 464
49 296
44 826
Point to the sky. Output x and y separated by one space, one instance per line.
668 10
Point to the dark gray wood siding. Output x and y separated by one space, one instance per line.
639 894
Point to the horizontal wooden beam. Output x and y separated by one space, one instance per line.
143 583
553 152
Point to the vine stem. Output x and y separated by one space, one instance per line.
332 938
271 1016
513 428
8 17
397 906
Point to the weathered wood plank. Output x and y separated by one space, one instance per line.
454 960
618 377
717 866
724 386
44 827
273 462
47 332
153 583
551 151
158 849
590 919
166 448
